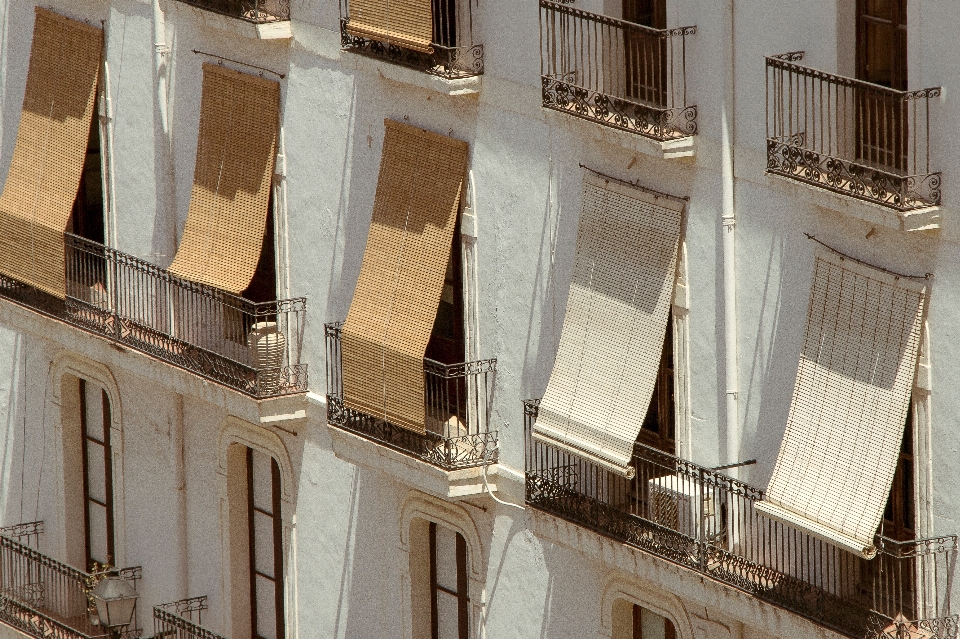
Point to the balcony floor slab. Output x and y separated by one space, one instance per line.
277 30
924 219
453 484
406 75
598 132
695 590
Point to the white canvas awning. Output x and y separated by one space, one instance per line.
615 323
850 403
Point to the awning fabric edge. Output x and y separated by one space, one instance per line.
794 520
544 434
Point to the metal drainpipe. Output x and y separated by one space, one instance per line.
729 224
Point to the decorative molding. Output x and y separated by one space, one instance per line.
628 587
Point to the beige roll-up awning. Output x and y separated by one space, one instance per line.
850 403
407 23
615 323
51 146
401 278
236 149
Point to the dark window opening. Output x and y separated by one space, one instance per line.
265 534
658 429
882 59
649 625
263 286
445 22
645 55
447 344
97 475
449 600
86 218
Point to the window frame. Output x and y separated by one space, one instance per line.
108 504
462 593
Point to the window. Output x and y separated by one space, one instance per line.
632 621
86 219
449 601
658 430
446 343
646 55
882 59
256 544
97 474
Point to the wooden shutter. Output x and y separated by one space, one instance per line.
849 406
406 23
401 277
613 330
51 146
236 149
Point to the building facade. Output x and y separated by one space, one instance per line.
479 318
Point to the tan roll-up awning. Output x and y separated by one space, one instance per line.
615 323
850 403
51 146
406 23
236 149
401 277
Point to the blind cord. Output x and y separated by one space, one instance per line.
483 471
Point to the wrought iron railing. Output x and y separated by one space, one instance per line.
46 599
455 53
259 11
250 347
181 620
852 137
614 72
457 404
708 522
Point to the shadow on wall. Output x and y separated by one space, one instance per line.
783 304
17 33
552 276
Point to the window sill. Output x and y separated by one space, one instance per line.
453 484
407 75
278 30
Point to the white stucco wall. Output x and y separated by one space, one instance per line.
345 568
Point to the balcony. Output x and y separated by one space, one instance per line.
851 137
707 522
452 52
43 598
181 620
249 347
256 11
458 402
616 73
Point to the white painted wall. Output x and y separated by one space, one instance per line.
346 574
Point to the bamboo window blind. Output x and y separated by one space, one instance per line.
406 23
236 148
395 303
51 146
615 323
850 402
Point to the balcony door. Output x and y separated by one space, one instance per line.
449 600
882 59
444 23
645 55
97 460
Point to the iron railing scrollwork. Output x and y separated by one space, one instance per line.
257 11
706 521
181 620
254 348
457 405
614 72
455 54
43 597
849 136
